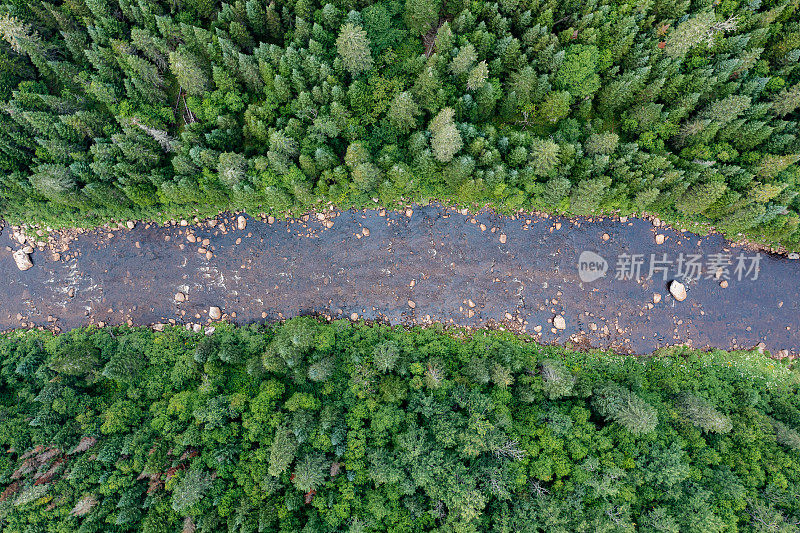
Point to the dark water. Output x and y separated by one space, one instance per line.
289 268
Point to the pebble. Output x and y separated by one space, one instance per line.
241 222
559 322
656 298
503 238
353 316
365 232
131 224
660 239
180 297
411 304
606 236
724 284
215 313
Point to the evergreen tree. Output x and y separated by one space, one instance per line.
353 47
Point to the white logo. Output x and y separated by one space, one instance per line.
591 266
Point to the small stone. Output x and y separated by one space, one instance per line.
558 225
180 297
592 326
660 239
215 313
677 290
196 328
184 223
559 322
503 238
23 260
329 224
623 219
365 232
537 329
724 284
353 316
509 316
793 255
412 304
131 224
209 255
606 236
241 222
28 249
656 222
656 298
270 219
409 212
470 303
71 292
210 330
158 327
320 216
56 256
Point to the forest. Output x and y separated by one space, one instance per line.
338 426
145 108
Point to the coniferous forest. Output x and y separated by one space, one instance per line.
121 108
319 427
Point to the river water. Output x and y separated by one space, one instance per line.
436 265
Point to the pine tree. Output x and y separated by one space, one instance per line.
420 15
446 140
282 451
544 156
189 72
786 101
403 112
353 47
702 414
478 76
557 381
700 196
464 59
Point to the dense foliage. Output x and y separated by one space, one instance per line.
319 427
125 108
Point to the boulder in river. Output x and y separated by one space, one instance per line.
559 322
215 313
677 290
23 260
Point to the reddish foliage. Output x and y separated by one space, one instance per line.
10 490
310 496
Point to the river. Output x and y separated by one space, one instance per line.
429 264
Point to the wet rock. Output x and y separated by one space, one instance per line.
656 298
241 222
180 297
660 239
214 313
23 260
677 290
559 322
131 224
793 255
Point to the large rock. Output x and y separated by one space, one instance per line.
22 259
677 290
215 313
241 222
559 322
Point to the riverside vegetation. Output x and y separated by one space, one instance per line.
120 108
314 426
